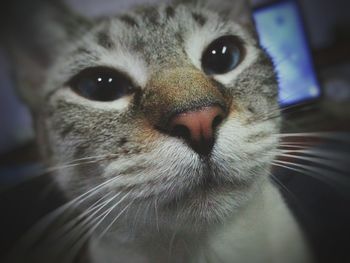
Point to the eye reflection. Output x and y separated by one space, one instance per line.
101 84
222 55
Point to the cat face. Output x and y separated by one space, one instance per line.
160 75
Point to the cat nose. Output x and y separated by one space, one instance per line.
198 127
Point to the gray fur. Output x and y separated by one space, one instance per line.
180 195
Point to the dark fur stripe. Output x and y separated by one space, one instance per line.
170 12
104 40
199 18
152 15
129 20
67 130
82 50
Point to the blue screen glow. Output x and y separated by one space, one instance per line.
282 34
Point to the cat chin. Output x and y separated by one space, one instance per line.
197 212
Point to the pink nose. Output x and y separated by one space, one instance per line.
198 127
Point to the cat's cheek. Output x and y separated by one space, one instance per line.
241 148
146 135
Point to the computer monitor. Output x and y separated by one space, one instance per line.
282 34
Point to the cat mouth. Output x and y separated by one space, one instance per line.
203 148
209 179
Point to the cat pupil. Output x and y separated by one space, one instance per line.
222 55
101 84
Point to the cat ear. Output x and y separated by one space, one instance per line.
236 10
34 33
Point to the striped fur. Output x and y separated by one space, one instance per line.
181 206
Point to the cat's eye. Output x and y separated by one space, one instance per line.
222 55
101 84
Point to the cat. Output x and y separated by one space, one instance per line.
162 124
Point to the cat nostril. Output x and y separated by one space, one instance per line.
217 121
198 128
181 131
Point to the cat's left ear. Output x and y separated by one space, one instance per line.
34 33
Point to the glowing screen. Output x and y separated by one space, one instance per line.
282 34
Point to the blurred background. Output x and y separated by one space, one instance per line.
312 44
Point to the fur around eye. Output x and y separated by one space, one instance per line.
222 55
101 84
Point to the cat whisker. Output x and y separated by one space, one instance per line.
92 157
281 185
337 136
296 144
36 231
45 171
93 209
332 175
279 109
136 215
63 236
292 148
75 240
318 152
315 141
88 221
335 181
261 117
114 220
92 226
267 117
156 214
275 112
317 160
78 162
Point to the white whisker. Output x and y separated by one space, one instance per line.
114 220
334 180
94 209
74 163
327 154
34 233
90 227
321 161
156 214
338 136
